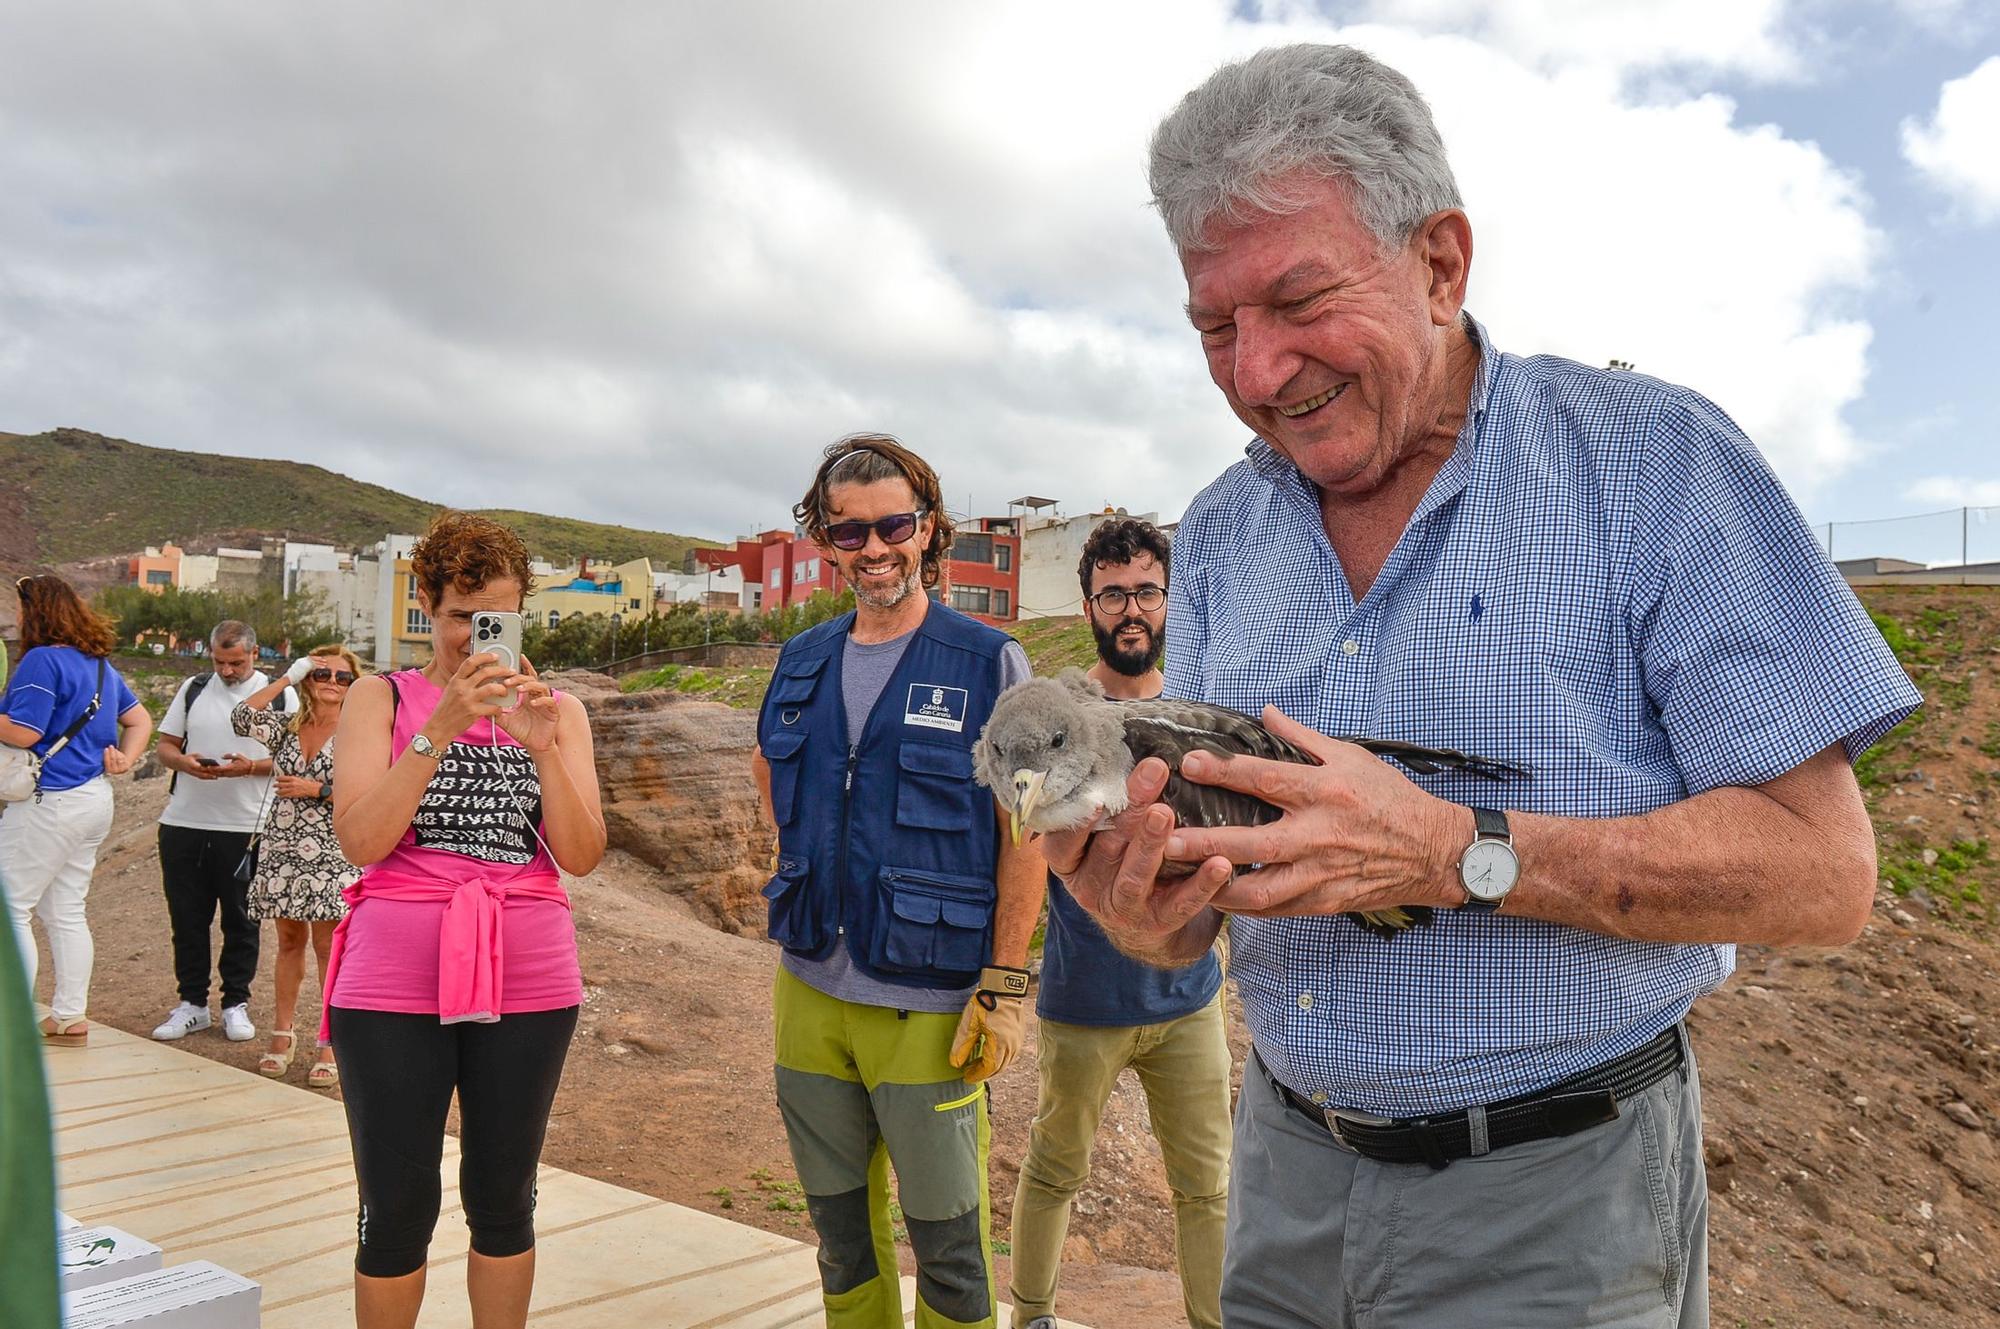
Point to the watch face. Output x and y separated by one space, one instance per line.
1488 869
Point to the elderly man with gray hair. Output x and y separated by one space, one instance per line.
1493 1119
217 801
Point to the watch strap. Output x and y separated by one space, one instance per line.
1490 824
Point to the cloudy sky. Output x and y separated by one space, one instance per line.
637 262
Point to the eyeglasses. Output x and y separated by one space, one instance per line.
894 529
1113 601
340 676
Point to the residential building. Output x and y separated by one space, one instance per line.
626 590
983 575
198 572
156 569
347 587
711 588
400 631
238 571
1051 548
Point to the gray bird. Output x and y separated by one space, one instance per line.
1056 749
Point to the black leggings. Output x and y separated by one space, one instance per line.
397 1073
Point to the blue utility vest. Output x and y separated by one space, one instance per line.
883 838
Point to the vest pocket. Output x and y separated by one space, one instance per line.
792 921
934 787
784 750
936 921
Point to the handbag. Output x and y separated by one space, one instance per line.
21 769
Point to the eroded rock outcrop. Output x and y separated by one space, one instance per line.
678 794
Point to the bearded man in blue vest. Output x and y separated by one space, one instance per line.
904 912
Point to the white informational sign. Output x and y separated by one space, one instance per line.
197 1295
64 1223
88 1256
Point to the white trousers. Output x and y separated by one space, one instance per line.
47 853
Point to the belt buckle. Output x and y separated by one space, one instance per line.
1335 1116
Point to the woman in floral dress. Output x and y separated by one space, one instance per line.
300 870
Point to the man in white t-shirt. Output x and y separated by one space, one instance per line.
220 783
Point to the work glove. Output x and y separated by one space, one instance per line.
995 1021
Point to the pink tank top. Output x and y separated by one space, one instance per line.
468 824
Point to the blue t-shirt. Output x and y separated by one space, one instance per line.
47 691
1087 980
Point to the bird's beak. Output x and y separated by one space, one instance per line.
1027 793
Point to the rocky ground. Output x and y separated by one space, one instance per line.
1851 1100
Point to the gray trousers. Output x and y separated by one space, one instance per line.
1608 1227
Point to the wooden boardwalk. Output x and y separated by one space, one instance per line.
214 1163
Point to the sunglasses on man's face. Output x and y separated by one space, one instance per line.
340 676
894 530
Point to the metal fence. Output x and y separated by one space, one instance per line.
1955 537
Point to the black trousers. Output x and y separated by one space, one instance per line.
397 1074
198 872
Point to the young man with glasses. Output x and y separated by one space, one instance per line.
1102 1012
904 910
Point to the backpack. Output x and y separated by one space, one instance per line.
194 690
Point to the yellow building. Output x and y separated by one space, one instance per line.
409 628
625 590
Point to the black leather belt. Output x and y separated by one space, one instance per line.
1576 1104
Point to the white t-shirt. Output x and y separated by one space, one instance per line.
217 805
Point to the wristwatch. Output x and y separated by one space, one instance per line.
326 791
1489 868
423 747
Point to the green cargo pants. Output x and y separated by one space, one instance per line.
862 1087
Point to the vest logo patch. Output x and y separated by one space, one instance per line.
936 707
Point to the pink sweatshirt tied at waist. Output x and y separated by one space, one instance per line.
470 939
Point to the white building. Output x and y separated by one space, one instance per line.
348 590
1051 547
717 588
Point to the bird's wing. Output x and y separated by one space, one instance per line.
1431 761
1170 730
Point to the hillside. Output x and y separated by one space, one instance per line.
69 495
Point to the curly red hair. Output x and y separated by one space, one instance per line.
466 550
53 614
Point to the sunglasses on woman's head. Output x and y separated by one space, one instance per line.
340 676
894 530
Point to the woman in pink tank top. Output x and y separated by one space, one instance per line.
455 970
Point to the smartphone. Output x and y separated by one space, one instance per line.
500 633
206 761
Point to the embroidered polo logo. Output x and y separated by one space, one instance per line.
936 707
1477 607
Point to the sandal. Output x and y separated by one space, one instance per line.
323 1075
275 1064
69 1031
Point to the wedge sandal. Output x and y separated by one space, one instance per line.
275 1064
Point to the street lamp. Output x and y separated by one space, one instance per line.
615 620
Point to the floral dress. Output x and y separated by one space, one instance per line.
300 869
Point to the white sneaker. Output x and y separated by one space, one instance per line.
181 1021
236 1026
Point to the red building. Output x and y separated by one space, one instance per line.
782 568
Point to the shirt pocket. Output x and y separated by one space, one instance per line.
937 921
784 752
934 788
792 921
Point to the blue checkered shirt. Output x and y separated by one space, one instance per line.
1605 583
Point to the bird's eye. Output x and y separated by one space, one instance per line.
1058 740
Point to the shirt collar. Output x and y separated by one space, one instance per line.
1274 466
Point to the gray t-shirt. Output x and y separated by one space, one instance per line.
864 672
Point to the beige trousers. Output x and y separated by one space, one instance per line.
1183 1065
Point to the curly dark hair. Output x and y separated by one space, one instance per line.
1121 540
466 550
53 614
861 459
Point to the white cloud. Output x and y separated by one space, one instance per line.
1958 148
1954 491
641 268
